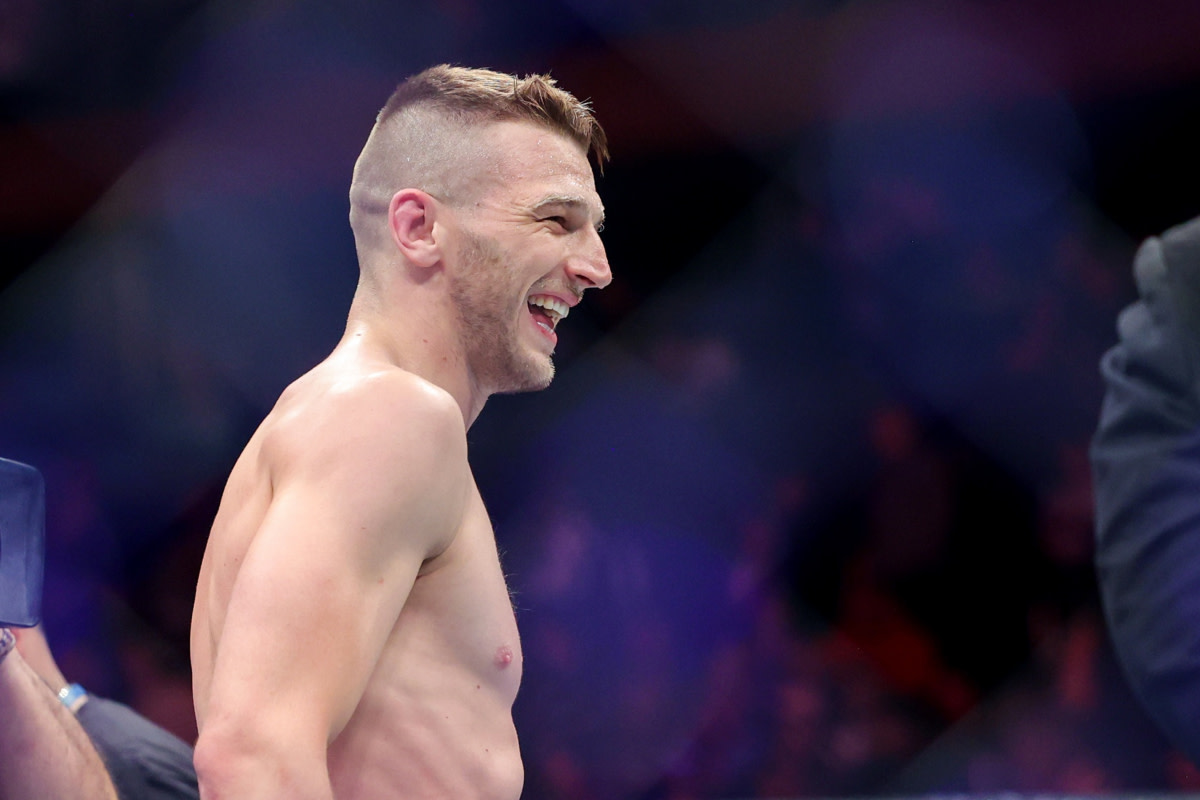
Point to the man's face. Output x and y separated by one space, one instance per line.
527 248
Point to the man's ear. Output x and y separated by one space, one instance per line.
411 217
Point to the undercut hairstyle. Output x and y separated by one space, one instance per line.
483 95
428 134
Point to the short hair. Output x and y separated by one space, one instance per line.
425 131
485 95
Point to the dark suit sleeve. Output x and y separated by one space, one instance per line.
1146 471
145 761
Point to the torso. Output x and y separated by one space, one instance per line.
435 718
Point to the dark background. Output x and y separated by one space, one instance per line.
807 511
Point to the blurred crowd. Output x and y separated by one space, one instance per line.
807 511
747 567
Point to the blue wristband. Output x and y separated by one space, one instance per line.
73 697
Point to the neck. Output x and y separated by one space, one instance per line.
417 338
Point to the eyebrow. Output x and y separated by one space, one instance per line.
572 201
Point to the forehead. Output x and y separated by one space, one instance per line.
528 163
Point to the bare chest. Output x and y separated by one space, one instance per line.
461 603
442 692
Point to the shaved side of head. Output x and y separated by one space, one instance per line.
431 135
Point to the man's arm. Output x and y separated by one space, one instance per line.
44 752
366 487
1146 469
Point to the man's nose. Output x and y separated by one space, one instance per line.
589 266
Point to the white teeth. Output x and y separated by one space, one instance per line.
556 309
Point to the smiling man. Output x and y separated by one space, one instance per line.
352 635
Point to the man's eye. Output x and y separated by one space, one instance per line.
560 221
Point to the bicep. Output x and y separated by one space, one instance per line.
317 595
303 626
365 486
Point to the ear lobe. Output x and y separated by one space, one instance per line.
411 216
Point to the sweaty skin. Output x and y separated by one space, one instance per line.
433 716
353 636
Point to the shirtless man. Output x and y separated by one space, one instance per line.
352 635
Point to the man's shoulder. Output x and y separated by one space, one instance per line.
382 444
347 396
371 411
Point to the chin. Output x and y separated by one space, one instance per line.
534 384
532 378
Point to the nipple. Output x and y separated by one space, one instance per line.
504 656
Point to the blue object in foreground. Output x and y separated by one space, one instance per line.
22 543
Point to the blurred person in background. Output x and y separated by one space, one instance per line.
1146 472
44 752
58 742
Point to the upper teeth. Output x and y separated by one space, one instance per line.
556 309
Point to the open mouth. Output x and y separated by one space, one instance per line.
547 311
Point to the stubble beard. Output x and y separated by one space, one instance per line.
482 297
